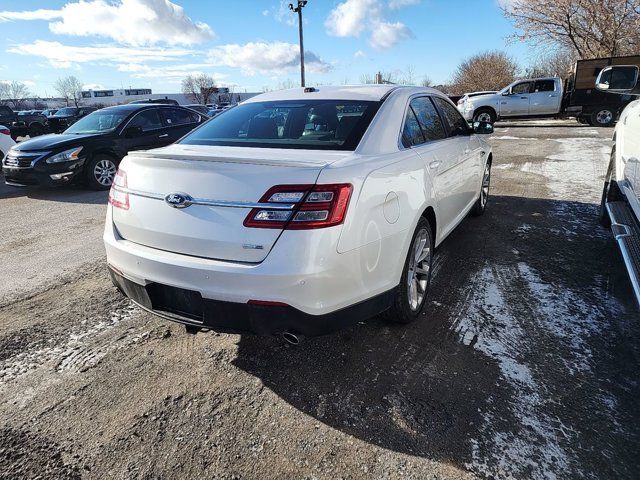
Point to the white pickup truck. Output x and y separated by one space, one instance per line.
620 207
537 97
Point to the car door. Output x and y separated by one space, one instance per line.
544 98
151 134
515 102
469 167
425 133
177 122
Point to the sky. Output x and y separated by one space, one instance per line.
248 44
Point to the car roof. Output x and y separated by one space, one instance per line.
343 92
133 107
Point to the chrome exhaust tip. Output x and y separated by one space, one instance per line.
292 338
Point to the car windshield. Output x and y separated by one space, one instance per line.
310 124
65 112
101 121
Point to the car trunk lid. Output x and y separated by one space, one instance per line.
223 183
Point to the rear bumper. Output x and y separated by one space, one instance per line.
234 317
322 289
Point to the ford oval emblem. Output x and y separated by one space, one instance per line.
178 200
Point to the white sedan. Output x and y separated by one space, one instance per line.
6 142
299 211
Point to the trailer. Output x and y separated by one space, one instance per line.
588 105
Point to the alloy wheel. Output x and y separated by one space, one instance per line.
484 117
486 181
418 272
104 172
604 117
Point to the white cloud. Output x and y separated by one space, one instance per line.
169 72
395 4
93 86
386 35
266 58
67 56
132 22
352 17
359 54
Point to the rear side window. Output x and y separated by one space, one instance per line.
455 122
544 86
428 118
411 133
146 120
176 116
309 124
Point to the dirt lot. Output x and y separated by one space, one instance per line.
526 365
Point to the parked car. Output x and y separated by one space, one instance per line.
157 101
6 142
49 112
67 116
620 206
22 123
199 108
302 226
91 149
551 97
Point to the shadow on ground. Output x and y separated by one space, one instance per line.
62 194
424 390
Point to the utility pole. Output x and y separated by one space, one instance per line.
298 10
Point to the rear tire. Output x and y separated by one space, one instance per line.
481 204
485 115
603 117
36 130
100 172
416 277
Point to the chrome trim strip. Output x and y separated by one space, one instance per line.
210 202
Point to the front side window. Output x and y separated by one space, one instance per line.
455 122
544 86
310 124
428 118
147 120
521 88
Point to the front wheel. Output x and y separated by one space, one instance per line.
484 115
416 277
100 172
481 204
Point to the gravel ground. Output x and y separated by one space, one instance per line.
524 367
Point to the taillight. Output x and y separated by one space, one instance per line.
312 206
117 197
5 131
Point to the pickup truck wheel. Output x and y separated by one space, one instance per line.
416 277
603 117
100 172
481 204
484 115
610 190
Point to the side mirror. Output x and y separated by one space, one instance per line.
617 79
507 93
132 132
482 128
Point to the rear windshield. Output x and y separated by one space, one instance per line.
63 112
312 124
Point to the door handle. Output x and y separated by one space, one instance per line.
553 95
164 135
523 98
433 165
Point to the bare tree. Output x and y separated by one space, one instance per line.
200 88
484 71
557 63
14 94
591 28
69 88
379 77
426 82
285 84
